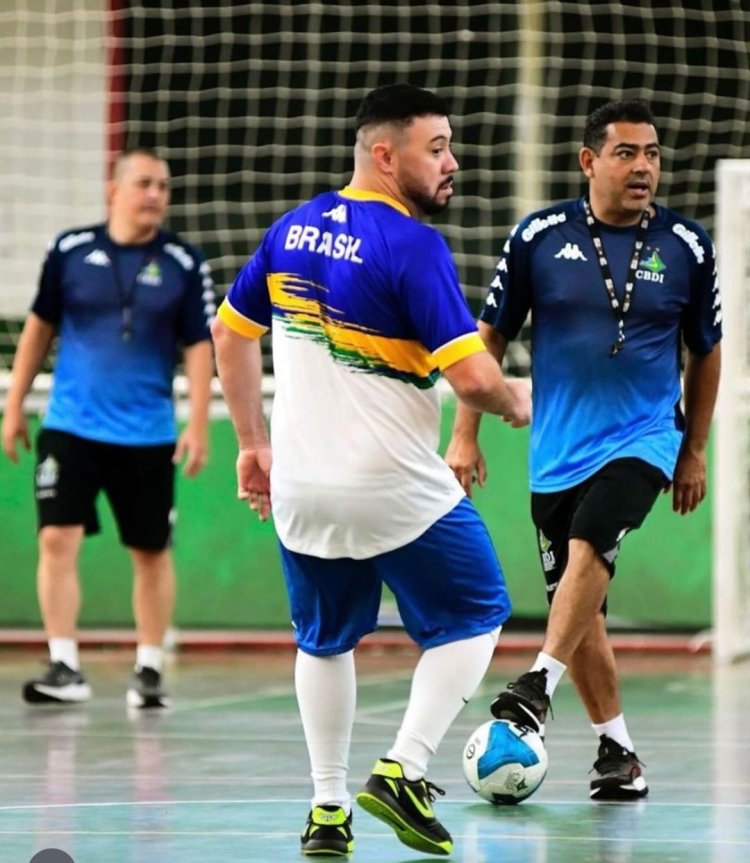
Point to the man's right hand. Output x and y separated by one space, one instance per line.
14 428
464 457
519 414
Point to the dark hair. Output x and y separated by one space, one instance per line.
595 130
398 103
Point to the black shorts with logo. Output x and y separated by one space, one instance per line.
137 480
600 510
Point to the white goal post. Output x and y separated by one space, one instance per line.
731 466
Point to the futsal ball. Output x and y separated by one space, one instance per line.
503 762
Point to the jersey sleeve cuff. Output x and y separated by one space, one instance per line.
458 349
239 323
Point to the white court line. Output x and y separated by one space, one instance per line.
507 837
651 804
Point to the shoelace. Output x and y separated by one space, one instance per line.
613 760
430 787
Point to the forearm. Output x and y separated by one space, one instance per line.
469 410
701 385
33 346
239 364
199 369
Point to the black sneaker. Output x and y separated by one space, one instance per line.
145 689
525 701
60 685
405 806
618 773
328 832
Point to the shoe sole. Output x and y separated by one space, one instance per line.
405 832
146 702
38 693
518 713
613 791
324 850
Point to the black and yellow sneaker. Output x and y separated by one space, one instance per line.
405 806
328 832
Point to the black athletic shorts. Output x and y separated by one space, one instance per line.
601 510
137 480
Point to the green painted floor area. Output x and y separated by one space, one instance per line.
222 777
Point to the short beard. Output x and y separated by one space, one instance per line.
430 206
427 204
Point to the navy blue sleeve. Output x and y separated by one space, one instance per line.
509 295
199 304
48 302
701 322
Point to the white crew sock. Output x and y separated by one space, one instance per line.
616 730
555 670
326 689
149 656
444 680
65 650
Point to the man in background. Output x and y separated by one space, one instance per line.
125 299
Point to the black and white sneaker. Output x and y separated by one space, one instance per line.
618 773
59 685
525 701
146 690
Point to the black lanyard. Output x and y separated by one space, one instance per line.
609 283
126 296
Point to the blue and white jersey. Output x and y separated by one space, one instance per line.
365 309
107 387
589 407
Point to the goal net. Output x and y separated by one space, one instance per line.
252 105
731 521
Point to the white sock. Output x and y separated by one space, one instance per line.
555 670
65 650
444 680
326 689
148 656
616 730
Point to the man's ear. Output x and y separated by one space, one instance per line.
586 158
109 191
382 156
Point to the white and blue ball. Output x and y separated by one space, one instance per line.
503 762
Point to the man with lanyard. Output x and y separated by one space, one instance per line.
613 282
124 298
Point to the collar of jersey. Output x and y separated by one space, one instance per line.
363 195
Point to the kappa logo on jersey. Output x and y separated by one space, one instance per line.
338 214
651 268
571 252
98 258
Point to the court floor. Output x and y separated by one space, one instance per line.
222 776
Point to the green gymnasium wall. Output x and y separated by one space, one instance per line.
230 577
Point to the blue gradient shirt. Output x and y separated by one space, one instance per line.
107 388
588 407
